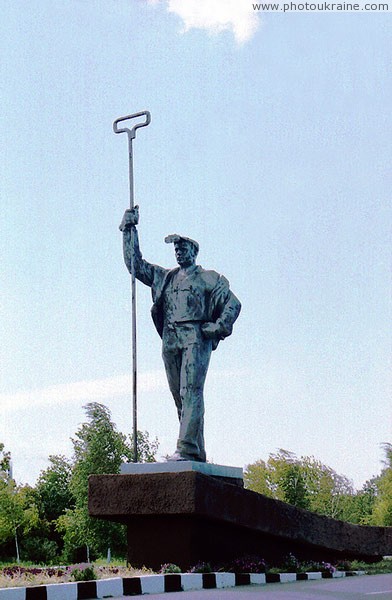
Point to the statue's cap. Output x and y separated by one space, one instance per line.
174 237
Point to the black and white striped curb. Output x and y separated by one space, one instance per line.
156 584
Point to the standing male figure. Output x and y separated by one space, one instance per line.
193 309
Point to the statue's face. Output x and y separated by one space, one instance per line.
185 254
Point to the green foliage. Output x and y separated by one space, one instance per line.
98 449
258 478
358 508
19 513
201 567
290 564
52 518
382 509
17 509
384 566
82 572
40 550
53 498
146 449
246 564
327 490
303 482
294 487
169 568
5 462
307 483
53 488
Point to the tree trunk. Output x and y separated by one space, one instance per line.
17 547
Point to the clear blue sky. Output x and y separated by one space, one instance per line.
270 143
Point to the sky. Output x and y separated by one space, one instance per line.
270 144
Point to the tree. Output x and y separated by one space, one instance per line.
5 462
258 478
329 492
53 488
358 507
382 509
146 449
288 477
293 484
53 497
18 513
98 449
22 531
283 477
303 482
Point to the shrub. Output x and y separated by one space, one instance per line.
82 572
169 568
40 550
317 567
201 567
344 565
247 564
290 564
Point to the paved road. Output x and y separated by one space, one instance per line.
374 587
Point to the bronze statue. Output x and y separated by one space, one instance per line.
193 310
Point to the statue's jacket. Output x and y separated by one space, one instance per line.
222 306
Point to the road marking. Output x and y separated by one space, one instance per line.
375 593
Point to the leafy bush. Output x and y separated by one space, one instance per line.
384 566
345 565
40 550
290 564
169 568
201 567
82 572
246 564
316 567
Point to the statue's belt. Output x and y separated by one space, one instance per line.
175 324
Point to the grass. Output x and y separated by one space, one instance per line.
379 568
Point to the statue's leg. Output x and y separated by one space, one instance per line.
195 360
171 355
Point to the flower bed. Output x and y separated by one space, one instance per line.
17 576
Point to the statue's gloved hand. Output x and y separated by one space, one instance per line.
130 218
210 330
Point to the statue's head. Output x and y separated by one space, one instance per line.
185 249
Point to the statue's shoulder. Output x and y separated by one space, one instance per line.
161 278
210 277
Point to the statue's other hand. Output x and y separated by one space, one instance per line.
131 217
210 330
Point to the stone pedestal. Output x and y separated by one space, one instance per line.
232 475
185 517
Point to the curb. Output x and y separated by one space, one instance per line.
157 584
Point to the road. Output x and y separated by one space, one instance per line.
368 587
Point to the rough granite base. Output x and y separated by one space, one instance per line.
188 517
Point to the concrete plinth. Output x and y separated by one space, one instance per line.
187 517
232 475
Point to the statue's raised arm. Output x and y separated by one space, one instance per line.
144 271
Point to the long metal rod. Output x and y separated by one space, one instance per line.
131 133
133 303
